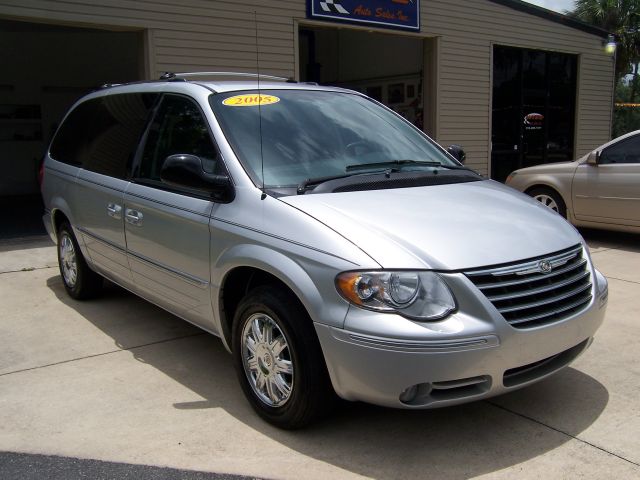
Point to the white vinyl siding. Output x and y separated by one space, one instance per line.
221 35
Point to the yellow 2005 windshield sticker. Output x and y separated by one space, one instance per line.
250 100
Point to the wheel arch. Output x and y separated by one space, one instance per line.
562 204
60 211
57 218
548 186
245 267
559 183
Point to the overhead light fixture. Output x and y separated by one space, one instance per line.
610 45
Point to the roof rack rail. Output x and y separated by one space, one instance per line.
170 76
108 85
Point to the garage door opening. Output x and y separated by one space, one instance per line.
46 69
387 67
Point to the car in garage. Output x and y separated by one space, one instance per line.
599 190
332 246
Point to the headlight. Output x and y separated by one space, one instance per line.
415 295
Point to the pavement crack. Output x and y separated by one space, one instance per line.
562 432
103 353
601 250
622 280
28 269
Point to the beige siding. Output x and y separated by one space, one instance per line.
468 30
220 35
190 34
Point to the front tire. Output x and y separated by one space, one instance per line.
549 198
79 280
278 359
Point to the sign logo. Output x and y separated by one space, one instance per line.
333 6
545 266
250 100
402 14
533 121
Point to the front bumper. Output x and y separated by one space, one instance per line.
460 359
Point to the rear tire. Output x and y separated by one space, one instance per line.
549 198
79 280
278 359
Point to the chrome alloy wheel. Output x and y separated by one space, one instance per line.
68 260
547 201
266 358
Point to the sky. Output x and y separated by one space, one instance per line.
557 5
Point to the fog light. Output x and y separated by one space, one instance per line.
409 394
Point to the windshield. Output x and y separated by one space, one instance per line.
309 134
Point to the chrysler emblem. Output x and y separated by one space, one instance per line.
544 266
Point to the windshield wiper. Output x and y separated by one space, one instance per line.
383 167
312 182
392 163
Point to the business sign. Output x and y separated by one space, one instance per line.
533 121
404 14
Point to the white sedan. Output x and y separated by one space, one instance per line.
599 190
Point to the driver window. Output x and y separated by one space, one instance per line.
178 127
626 151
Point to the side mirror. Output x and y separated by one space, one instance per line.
593 158
186 171
457 152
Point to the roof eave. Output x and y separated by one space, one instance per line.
553 16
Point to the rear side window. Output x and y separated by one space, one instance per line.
102 134
71 139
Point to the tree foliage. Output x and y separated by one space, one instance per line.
621 18
626 118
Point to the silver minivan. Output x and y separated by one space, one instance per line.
331 245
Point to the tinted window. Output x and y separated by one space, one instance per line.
115 131
102 134
71 139
626 151
178 127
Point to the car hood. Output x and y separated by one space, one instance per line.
443 227
550 168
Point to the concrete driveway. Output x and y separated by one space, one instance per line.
118 379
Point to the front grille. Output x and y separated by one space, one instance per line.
527 296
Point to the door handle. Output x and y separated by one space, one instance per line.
114 211
133 217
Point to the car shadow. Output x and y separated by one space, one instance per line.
449 443
628 242
25 243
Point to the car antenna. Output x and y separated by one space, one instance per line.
255 20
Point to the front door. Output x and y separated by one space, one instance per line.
533 109
610 191
167 228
